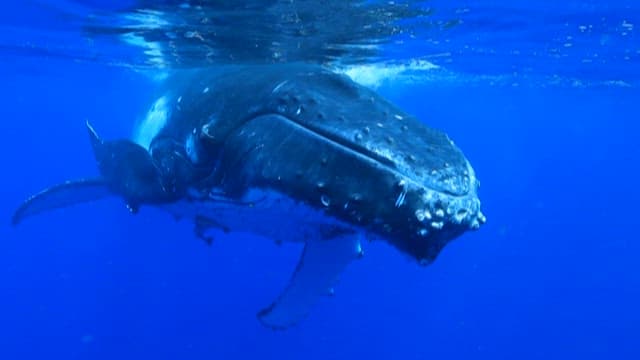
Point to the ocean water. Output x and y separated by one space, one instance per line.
541 96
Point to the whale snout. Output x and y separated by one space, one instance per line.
441 211
456 204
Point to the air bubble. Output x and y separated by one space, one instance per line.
324 199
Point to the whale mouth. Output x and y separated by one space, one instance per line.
448 187
448 172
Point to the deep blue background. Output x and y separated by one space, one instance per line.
554 273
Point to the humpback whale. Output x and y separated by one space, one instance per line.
290 152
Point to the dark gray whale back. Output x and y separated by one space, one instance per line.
321 138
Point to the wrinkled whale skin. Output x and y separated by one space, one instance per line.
322 139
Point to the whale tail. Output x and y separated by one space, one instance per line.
62 195
126 169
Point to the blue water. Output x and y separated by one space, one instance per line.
554 274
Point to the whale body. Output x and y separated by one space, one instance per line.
290 152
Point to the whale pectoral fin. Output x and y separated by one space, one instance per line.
61 195
318 270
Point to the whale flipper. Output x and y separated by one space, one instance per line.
318 270
62 195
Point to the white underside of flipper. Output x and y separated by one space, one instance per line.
153 122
